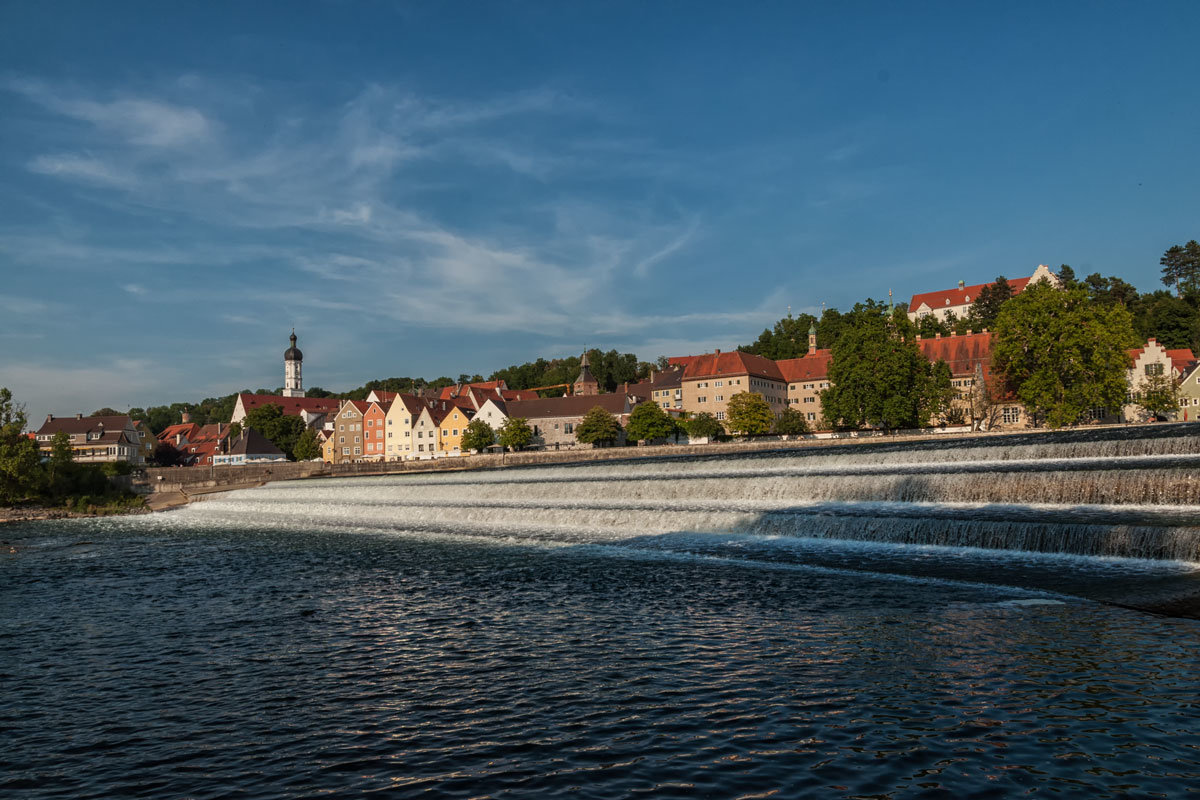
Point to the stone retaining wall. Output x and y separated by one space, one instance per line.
196 480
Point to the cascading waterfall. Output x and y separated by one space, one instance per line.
1135 497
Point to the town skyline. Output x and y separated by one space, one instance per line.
431 193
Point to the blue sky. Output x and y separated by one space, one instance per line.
436 188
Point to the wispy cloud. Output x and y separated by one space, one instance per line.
136 290
140 121
75 166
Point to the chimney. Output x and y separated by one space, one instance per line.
962 284
918 337
984 330
969 331
937 336
49 418
178 438
218 430
717 352
625 387
185 418
80 416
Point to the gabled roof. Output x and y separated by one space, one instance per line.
291 406
948 298
253 443
359 405
813 365
569 406
458 388
409 402
78 425
383 406
189 431
681 361
961 353
718 364
518 394
382 396
1181 360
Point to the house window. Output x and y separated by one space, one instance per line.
719 398
811 416
358 451
341 427
720 383
421 447
720 415
407 434
389 434
456 431
1154 369
370 423
378 434
569 427
389 422
1010 414
341 440
345 451
666 404
810 399
701 399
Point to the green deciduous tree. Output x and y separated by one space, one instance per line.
648 421
939 392
878 376
307 447
1063 353
283 430
515 433
598 427
703 425
748 413
21 471
791 423
478 436
1158 395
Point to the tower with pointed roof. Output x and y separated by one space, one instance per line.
585 383
293 382
812 338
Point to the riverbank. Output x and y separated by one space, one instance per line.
10 515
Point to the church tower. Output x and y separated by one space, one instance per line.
293 383
585 383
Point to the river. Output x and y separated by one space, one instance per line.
947 620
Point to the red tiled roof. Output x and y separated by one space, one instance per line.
1181 360
190 431
961 353
681 361
450 391
291 406
518 394
736 363
959 297
385 397
813 365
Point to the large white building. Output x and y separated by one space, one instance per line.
942 304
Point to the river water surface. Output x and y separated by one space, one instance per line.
637 638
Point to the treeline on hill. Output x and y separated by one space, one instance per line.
25 479
1172 319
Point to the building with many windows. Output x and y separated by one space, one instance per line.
709 381
94 440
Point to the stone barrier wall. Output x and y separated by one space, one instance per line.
196 480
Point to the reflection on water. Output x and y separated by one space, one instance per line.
202 661
942 620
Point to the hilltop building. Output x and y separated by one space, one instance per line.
943 303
